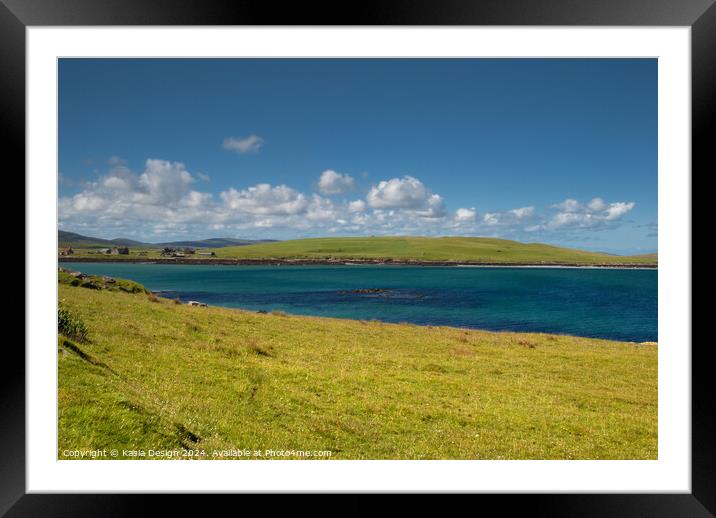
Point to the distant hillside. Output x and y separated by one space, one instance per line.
475 250
653 256
217 242
465 249
80 241
127 242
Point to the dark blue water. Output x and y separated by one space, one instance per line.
604 303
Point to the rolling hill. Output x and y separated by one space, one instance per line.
79 241
467 250
464 249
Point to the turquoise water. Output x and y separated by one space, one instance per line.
603 303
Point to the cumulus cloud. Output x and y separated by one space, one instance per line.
491 218
596 214
163 198
252 143
157 200
463 215
332 183
523 212
509 219
265 199
161 183
596 204
356 206
568 205
195 199
322 209
398 193
617 210
406 193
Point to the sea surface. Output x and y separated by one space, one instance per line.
619 304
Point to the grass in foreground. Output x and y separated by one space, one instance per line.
159 375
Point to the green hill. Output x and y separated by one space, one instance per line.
141 372
465 249
75 240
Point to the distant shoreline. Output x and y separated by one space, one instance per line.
348 262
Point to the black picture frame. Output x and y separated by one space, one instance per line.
700 15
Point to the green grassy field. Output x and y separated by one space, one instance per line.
155 374
425 249
135 253
457 249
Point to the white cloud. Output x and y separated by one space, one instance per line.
265 199
159 199
463 215
596 204
84 202
332 183
571 219
568 205
356 206
115 183
617 210
523 212
163 181
203 177
163 199
252 143
196 199
321 209
596 214
509 219
434 209
407 193
491 218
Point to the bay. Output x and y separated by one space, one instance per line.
618 304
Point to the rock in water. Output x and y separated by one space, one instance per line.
365 290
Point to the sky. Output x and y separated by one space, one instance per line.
561 151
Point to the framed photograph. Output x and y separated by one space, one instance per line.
419 249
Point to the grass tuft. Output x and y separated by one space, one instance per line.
185 435
255 348
71 325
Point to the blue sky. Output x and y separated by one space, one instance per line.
562 151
